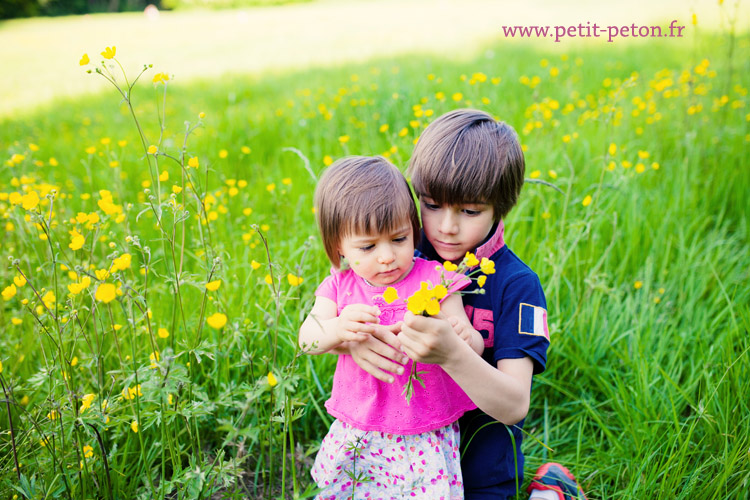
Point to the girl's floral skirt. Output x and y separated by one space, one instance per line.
373 465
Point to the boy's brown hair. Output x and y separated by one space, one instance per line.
362 195
466 156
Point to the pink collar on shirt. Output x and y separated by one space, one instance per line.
494 244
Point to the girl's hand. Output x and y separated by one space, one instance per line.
357 322
379 355
467 333
462 329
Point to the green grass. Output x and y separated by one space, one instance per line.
645 395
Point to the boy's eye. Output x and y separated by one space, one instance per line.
367 248
471 212
400 239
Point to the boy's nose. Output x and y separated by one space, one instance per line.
448 225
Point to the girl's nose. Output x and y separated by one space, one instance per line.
386 256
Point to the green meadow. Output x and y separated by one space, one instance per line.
160 252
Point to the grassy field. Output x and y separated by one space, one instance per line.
151 300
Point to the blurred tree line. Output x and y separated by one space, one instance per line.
28 8
10 9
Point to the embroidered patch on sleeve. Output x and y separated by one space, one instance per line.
532 320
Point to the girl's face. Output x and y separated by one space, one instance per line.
454 230
381 259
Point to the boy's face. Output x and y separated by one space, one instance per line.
454 230
381 259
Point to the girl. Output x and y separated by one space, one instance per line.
380 446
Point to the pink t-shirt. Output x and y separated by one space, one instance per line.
361 400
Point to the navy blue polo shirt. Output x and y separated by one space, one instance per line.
512 317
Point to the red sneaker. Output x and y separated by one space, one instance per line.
554 477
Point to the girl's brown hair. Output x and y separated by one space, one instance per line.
362 195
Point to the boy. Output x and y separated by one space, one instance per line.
467 170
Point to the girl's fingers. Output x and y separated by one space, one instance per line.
375 371
387 358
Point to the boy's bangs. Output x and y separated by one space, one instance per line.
465 182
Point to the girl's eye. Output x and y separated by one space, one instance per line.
431 206
471 212
400 239
367 248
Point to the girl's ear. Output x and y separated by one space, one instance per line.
343 263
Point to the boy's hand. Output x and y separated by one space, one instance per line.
428 340
379 354
356 322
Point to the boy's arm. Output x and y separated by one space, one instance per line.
324 329
453 308
502 392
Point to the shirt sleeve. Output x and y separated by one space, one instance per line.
329 287
521 328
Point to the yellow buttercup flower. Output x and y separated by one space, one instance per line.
162 333
122 262
612 149
272 379
106 292
254 264
88 451
439 292
160 78
217 320
30 200
212 286
481 280
9 292
19 281
86 401
84 60
109 52
76 240
449 266
470 260
390 295
586 201
268 279
638 285
487 266
134 426
152 150
193 162
426 300
294 280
